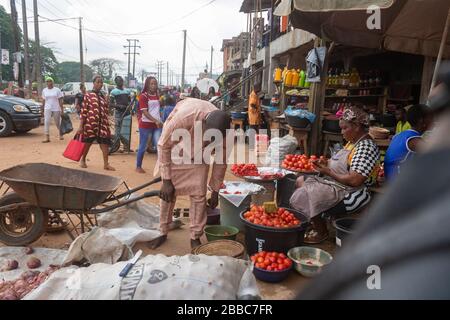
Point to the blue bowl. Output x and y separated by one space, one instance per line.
271 276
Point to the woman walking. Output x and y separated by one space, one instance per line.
53 108
94 123
149 116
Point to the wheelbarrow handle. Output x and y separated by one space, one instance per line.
130 192
149 194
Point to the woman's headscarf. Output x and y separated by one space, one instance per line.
356 115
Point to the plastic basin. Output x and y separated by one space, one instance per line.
260 238
216 233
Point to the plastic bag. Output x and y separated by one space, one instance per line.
301 114
66 124
279 148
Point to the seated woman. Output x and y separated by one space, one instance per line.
344 180
406 143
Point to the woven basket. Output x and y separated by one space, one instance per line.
379 133
221 248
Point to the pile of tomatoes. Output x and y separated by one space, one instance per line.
272 261
279 219
300 163
245 170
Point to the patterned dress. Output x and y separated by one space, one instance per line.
364 160
94 114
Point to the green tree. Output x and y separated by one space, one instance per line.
106 67
7 42
69 71
49 63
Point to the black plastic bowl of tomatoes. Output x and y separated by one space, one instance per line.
271 267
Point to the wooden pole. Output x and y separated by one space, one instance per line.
441 51
317 100
38 48
25 50
82 77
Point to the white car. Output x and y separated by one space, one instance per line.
71 89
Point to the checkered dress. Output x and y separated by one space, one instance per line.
364 160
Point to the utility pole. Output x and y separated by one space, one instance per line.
26 53
82 77
129 60
134 57
159 66
15 27
168 82
38 47
183 69
134 46
211 67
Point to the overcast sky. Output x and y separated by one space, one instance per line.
157 24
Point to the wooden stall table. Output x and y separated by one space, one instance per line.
302 136
329 137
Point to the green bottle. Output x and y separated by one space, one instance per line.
302 79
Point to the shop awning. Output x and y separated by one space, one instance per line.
248 6
411 26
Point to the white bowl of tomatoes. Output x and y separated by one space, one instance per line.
271 267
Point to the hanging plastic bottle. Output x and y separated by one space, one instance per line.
307 84
289 76
296 78
278 75
302 80
284 74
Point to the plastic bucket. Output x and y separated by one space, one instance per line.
230 214
267 196
285 189
344 228
259 238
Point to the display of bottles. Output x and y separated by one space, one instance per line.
330 78
355 80
346 79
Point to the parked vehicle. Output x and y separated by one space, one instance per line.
19 115
71 89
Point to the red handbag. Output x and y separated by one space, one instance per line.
75 149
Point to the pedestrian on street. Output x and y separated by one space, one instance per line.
94 123
150 122
120 99
79 97
52 106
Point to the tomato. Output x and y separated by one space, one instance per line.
260 260
270 269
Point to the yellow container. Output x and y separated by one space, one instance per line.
278 75
295 78
289 77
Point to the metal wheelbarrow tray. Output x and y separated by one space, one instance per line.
57 188
41 188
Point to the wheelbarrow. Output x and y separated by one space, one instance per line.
42 188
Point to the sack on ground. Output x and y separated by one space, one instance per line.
154 278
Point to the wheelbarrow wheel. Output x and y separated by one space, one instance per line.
21 226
